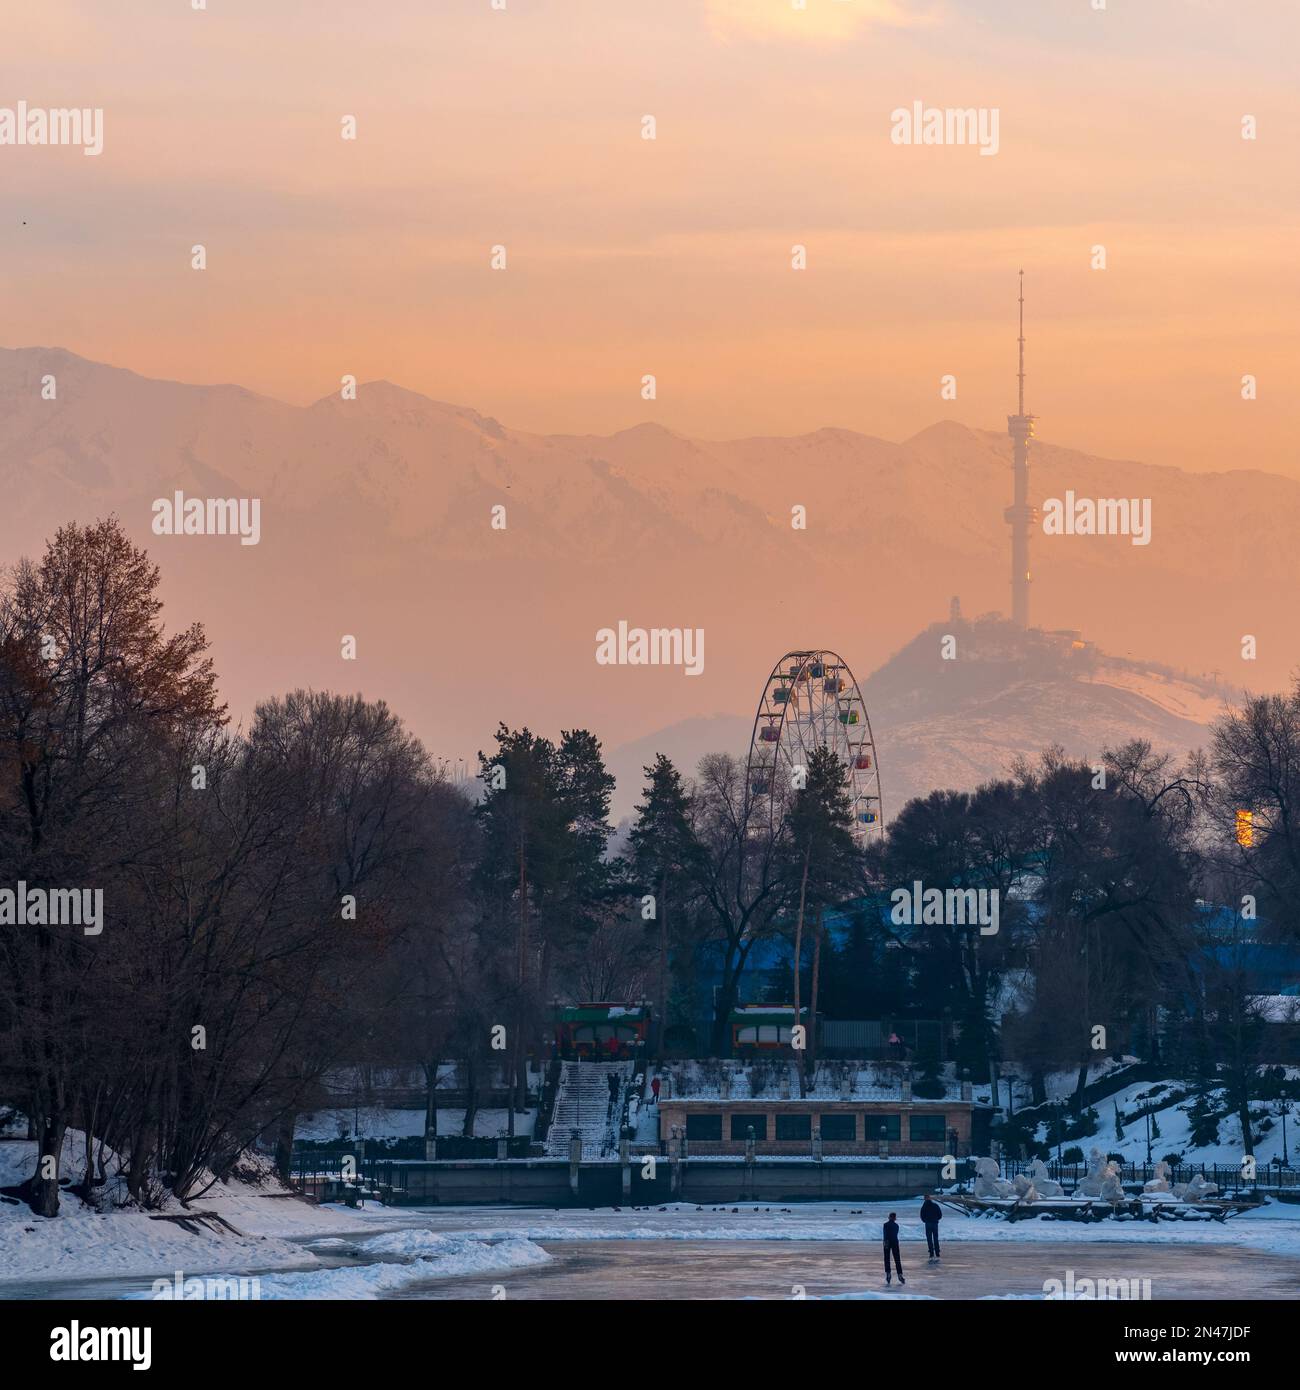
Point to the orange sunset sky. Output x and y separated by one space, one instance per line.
522 126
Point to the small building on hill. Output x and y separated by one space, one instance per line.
601 1032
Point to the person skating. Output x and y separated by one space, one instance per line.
931 1215
891 1245
654 1088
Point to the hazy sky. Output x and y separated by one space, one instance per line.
626 256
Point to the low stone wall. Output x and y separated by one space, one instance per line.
548 1182
793 1182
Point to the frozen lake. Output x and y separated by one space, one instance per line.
743 1269
812 1250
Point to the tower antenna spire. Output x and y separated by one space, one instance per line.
1020 376
1020 515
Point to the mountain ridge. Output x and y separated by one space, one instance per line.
377 521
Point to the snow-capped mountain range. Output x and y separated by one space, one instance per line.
377 521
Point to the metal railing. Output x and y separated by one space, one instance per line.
324 1176
1228 1178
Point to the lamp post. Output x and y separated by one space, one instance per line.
1281 1108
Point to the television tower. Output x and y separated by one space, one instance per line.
1020 515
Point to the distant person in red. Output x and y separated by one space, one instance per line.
654 1090
612 1047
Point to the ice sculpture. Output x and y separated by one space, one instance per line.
1160 1183
1196 1190
1099 1170
988 1180
1044 1184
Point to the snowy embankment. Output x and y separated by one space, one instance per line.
398 1261
390 1122
265 1229
1121 1126
117 1240
299 1250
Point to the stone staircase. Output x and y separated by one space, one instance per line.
582 1103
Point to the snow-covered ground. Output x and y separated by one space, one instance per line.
301 1251
83 1242
1172 1128
693 1080
381 1122
396 1261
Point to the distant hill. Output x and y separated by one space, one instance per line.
376 523
956 723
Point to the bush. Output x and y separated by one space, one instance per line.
1173 1160
1205 1123
1074 1154
1082 1126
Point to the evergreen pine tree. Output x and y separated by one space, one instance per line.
663 854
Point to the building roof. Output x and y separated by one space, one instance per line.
765 1102
868 1081
602 1013
765 1013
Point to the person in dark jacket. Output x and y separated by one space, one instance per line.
931 1215
890 1231
613 1081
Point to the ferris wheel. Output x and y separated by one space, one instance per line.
811 700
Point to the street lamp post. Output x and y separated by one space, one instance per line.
1281 1108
